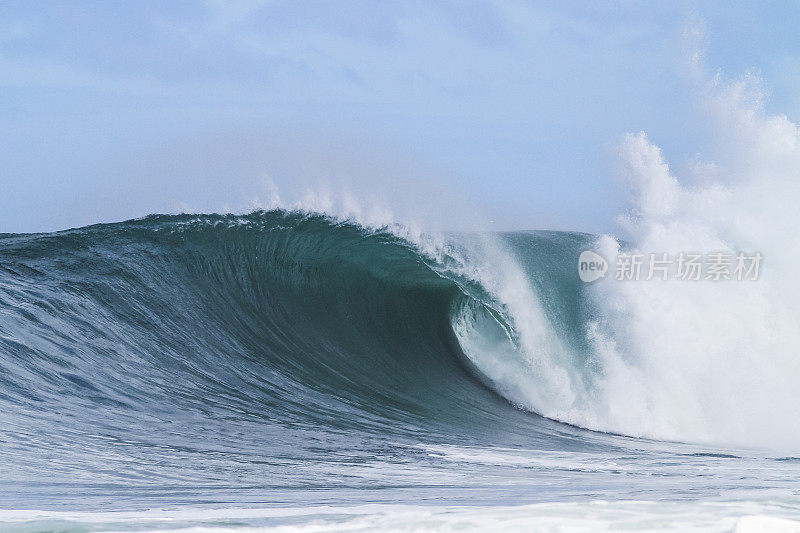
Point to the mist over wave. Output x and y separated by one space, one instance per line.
709 361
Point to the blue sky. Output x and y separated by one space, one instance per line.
506 112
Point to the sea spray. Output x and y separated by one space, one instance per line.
707 361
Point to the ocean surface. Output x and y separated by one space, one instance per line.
295 371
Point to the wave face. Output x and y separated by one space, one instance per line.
178 349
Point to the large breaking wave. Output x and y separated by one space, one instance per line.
300 321
284 318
